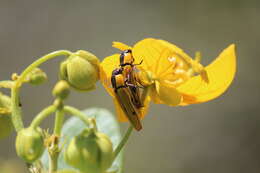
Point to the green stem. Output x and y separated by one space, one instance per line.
6 84
54 155
123 141
15 93
41 61
16 110
53 160
42 115
73 111
58 121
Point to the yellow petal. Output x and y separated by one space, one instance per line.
194 64
157 56
167 94
107 66
220 75
154 96
120 46
176 49
144 50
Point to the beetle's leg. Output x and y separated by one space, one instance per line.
140 86
132 85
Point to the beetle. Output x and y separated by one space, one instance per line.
129 71
124 97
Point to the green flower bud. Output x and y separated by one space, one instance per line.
81 70
5 101
29 144
89 57
6 126
36 77
61 90
90 152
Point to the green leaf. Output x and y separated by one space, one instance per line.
106 123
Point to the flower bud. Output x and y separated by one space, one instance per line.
90 152
6 126
81 70
61 90
29 144
36 77
5 101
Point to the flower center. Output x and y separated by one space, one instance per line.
178 71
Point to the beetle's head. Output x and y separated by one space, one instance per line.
126 57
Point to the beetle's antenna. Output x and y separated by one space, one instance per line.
139 62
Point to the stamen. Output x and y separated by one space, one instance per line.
172 59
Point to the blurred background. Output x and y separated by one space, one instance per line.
221 136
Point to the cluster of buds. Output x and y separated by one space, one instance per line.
88 152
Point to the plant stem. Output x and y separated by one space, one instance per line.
58 121
54 151
73 111
15 93
16 110
42 115
123 141
53 155
6 84
41 61
53 160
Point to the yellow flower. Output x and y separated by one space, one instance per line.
172 76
